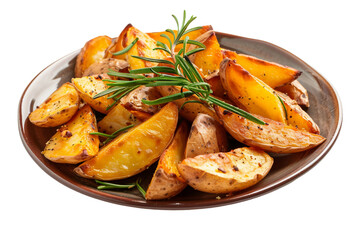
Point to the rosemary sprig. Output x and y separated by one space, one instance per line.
141 190
107 185
183 74
111 136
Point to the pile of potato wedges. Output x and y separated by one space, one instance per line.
189 143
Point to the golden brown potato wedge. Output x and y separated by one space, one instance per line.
272 74
93 51
297 92
58 108
296 116
167 181
216 85
206 136
88 87
273 136
226 172
72 143
133 102
188 111
246 90
209 59
135 150
116 119
144 48
103 66
192 36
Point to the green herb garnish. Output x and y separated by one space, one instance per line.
184 75
107 185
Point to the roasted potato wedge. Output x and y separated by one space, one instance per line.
273 136
188 111
88 87
72 143
133 102
272 74
226 172
192 35
103 66
209 59
116 119
144 48
135 150
206 136
297 92
246 90
93 51
296 116
167 181
215 84
57 109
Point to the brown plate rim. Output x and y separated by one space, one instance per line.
192 204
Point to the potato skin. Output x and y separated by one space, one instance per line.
166 181
72 143
226 172
273 136
93 51
272 74
297 92
296 116
58 108
133 102
188 111
88 87
103 66
135 150
206 136
246 90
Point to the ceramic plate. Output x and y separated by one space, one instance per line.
325 109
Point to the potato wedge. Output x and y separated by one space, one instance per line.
103 66
192 35
297 92
88 87
272 74
72 143
246 90
167 181
117 118
296 116
133 102
93 51
226 172
57 109
273 136
135 150
206 136
209 59
144 48
216 85
188 111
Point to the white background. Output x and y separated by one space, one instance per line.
322 204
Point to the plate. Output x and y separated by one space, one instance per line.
325 109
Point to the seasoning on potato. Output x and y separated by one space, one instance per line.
146 83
